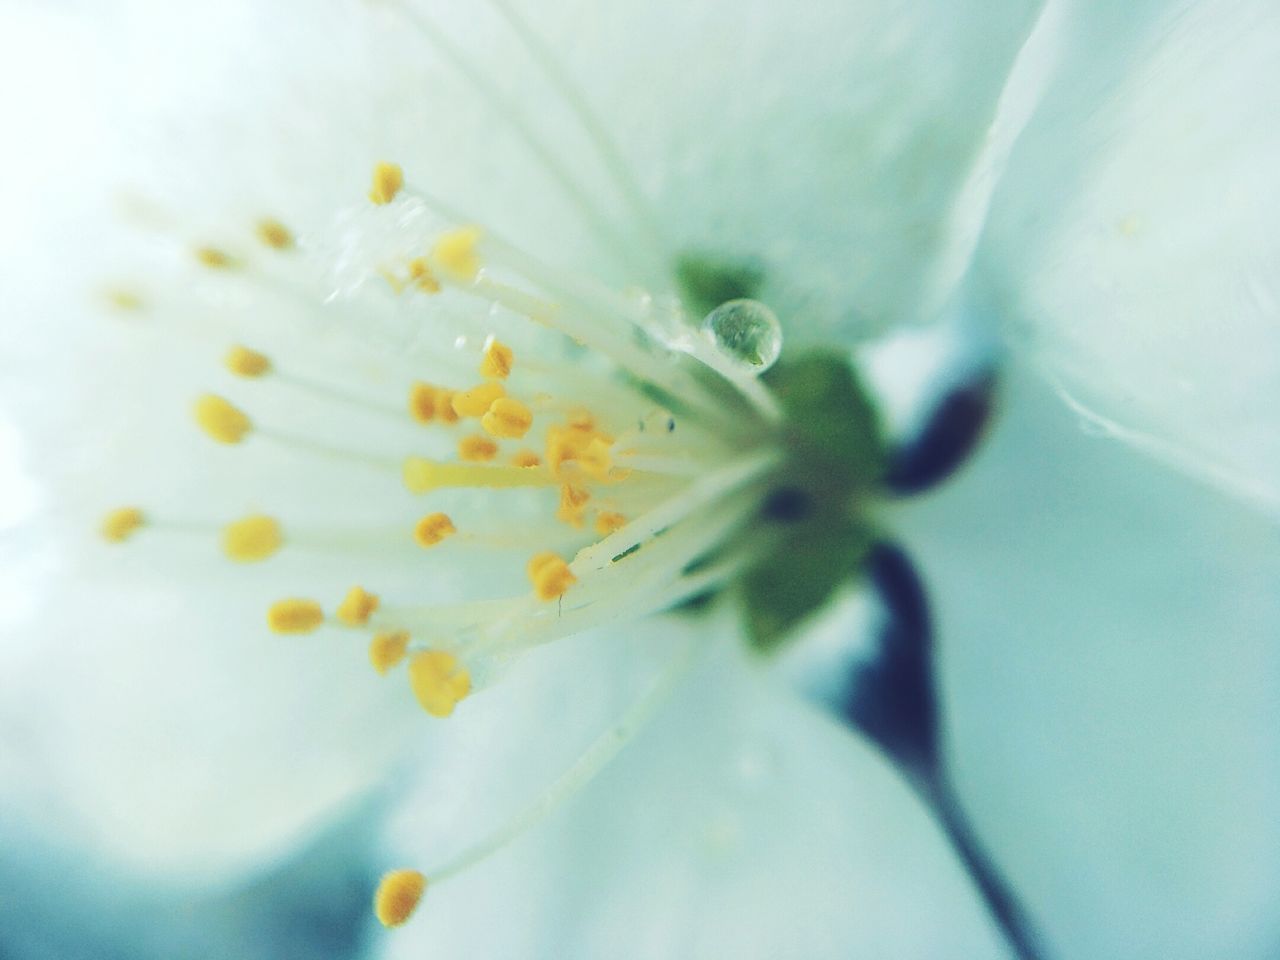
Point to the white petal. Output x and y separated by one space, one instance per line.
1133 246
740 823
1109 667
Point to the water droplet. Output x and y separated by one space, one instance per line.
747 332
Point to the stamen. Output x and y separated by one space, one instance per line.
439 681
387 650
455 252
357 607
294 616
477 449
398 895
244 362
422 277
507 418
275 234
497 361
121 524
550 576
428 403
215 259
388 178
124 299
476 401
252 539
526 459
221 420
433 529
573 504
608 522
421 475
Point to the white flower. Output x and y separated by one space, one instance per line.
846 149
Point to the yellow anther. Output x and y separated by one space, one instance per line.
507 418
432 529
253 538
388 178
294 616
497 361
596 459
215 259
477 449
221 420
607 523
357 607
438 681
444 406
421 475
573 504
422 277
386 650
455 252
123 299
477 401
526 458
550 576
579 442
275 234
119 525
423 402
244 362
398 894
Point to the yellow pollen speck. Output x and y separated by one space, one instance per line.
221 420
422 277
477 449
526 458
123 299
432 529
119 525
294 616
550 576
386 650
477 401
398 894
388 178
251 539
244 362
507 418
275 234
497 361
215 259
357 607
607 523
573 504
455 252
438 681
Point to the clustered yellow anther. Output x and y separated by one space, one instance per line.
455 253
477 449
432 529
428 404
439 681
251 539
573 504
526 458
476 401
294 616
221 420
421 276
580 443
507 418
215 259
120 524
386 650
497 360
550 576
275 234
398 894
608 522
244 362
388 178
357 607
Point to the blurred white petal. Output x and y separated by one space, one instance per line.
1132 245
